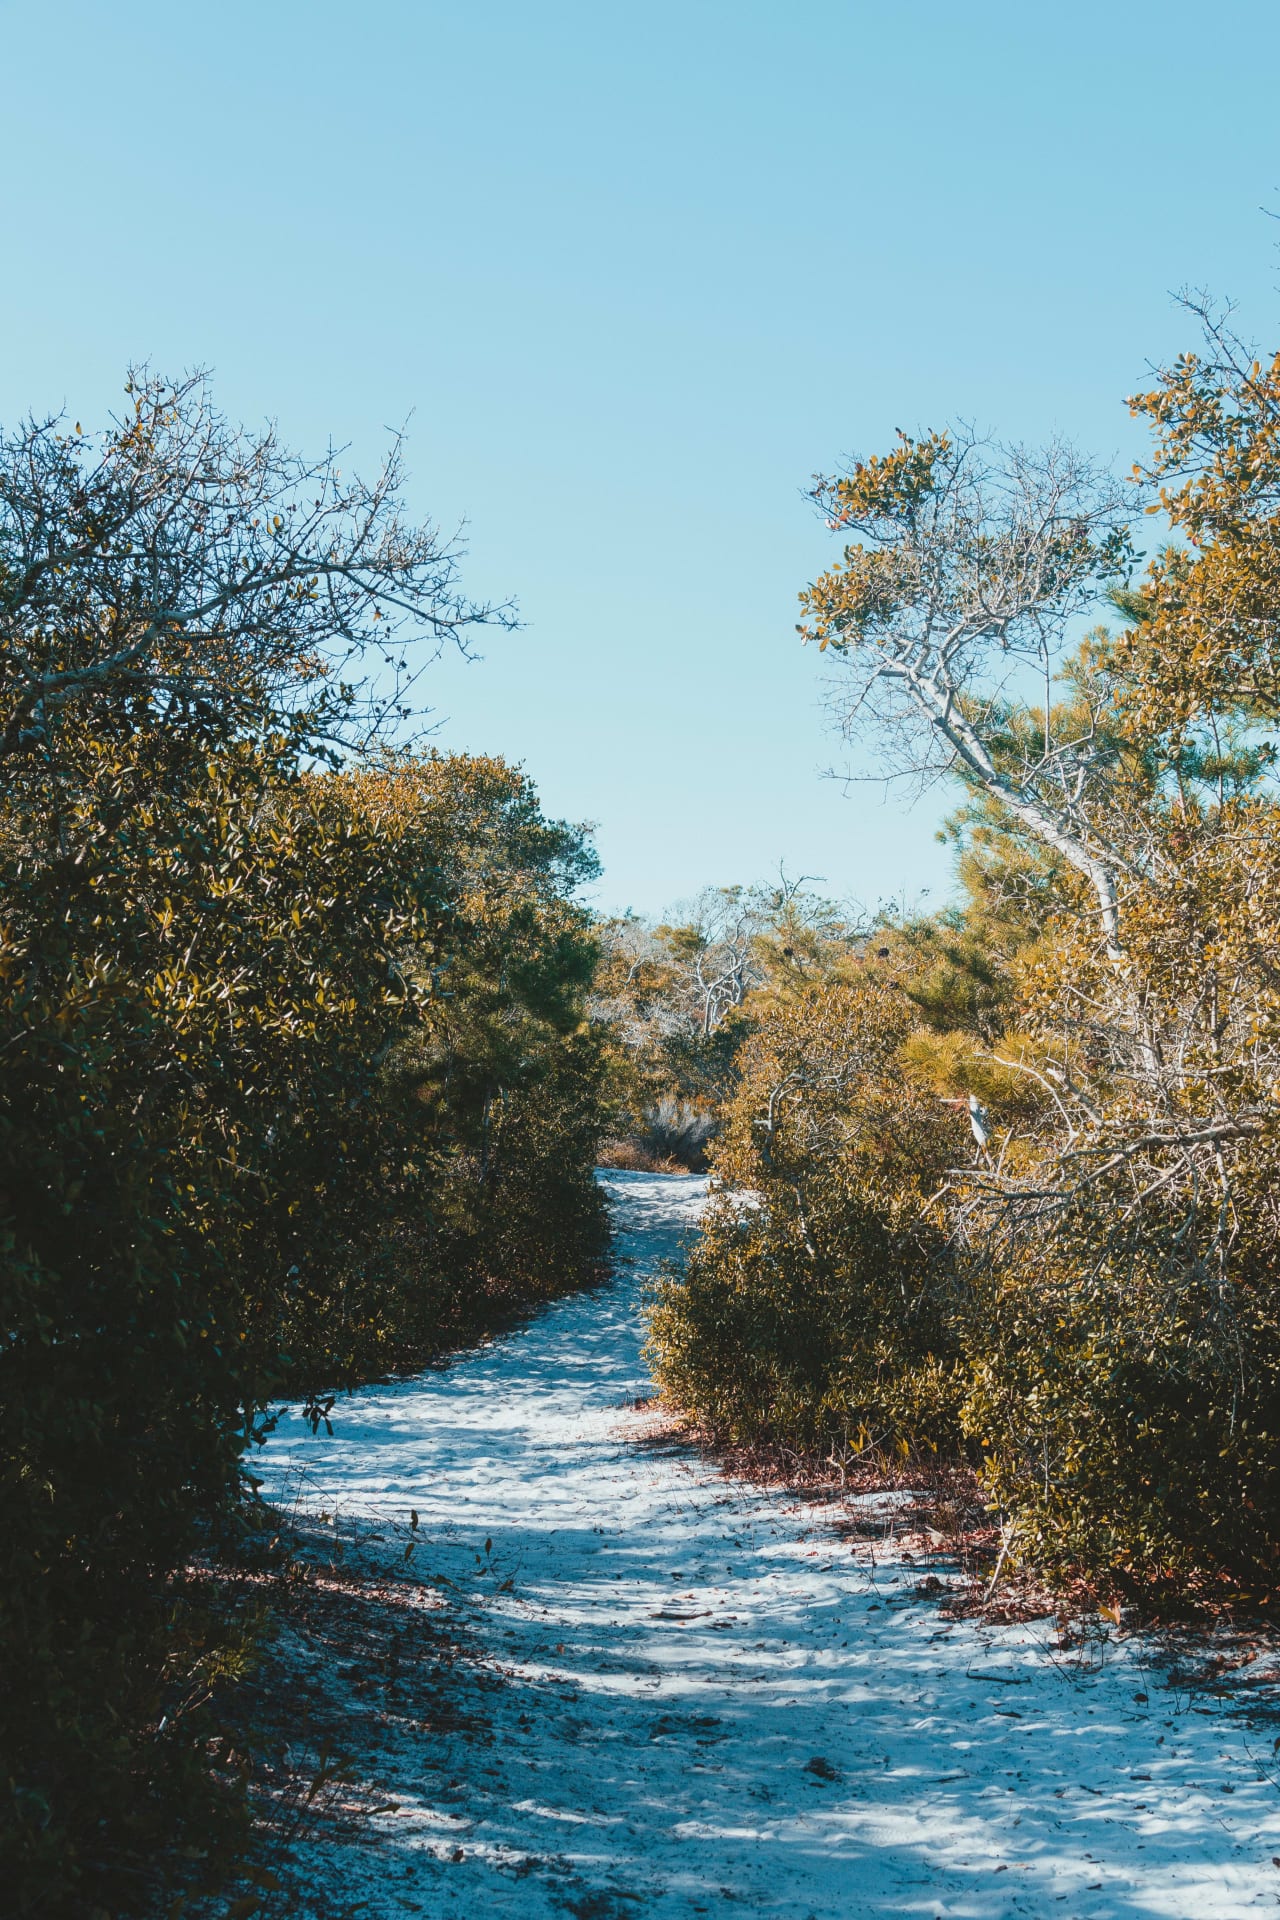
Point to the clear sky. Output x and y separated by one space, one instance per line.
637 272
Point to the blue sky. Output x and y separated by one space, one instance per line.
637 273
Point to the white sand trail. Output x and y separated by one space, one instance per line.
687 1696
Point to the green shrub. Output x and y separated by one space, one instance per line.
296 1078
819 1304
1128 1408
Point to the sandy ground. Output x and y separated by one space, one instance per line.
677 1694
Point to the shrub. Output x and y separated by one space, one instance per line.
1128 1407
819 1304
297 1076
670 1136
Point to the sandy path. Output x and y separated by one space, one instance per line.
685 1696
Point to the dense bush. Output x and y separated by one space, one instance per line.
1072 1317
1126 1347
1107 998
1127 1411
484 1114
819 1305
297 1080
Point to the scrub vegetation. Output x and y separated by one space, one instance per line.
297 1084
999 1184
310 1048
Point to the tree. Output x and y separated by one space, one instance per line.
1207 644
680 997
181 573
969 575
1120 1247
297 1076
973 563
712 948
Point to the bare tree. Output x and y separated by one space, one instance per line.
1154 1050
635 987
183 573
714 947
973 563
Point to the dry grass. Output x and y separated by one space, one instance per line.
633 1156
